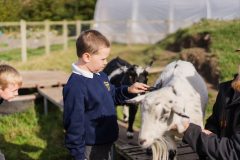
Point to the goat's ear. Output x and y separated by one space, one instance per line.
136 100
181 118
119 65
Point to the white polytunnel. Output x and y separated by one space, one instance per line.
148 21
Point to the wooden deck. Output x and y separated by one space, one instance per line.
130 150
37 79
153 70
54 95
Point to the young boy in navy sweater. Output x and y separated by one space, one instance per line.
89 100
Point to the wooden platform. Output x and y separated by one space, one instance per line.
153 70
39 79
36 79
52 94
130 150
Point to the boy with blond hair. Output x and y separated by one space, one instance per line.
89 99
10 82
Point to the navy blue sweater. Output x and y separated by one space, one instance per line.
89 112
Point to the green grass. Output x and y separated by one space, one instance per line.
14 55
3 45
32 135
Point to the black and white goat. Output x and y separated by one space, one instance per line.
120 72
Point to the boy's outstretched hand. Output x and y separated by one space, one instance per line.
138 88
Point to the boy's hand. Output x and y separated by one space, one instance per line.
138 88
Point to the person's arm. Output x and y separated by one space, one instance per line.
212 123
212 146
120 94
73 117
123 93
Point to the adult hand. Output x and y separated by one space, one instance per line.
206 131
181 126
138 88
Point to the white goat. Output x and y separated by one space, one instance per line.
182 94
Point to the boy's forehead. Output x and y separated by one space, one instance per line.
13 86
104 51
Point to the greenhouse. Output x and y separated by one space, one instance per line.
141 21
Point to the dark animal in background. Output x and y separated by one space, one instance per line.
120 72
183 41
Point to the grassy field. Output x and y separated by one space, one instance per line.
32 135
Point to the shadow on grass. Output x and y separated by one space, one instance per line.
16 150
52 133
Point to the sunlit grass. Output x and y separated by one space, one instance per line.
32 135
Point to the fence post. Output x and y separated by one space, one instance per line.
65 35
209 11
23 28
129 32
171 17
78 28
47 39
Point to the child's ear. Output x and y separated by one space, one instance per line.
86 57
1 90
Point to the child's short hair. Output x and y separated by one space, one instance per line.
9 75
90 41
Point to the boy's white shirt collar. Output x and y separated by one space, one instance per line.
79 71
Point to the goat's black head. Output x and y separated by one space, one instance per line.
136 73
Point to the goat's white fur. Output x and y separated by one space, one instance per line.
118 71
183 93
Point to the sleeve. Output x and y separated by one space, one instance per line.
120 94
211 145
73 119
212 122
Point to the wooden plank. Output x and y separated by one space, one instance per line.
130 150
153 70
24 97
53 94
35 79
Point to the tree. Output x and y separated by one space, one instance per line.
10 10
38 10
58 10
